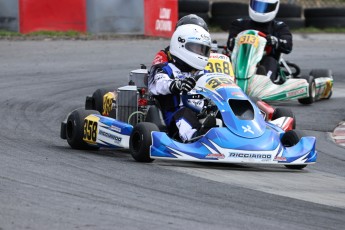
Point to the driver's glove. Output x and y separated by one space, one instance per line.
186 85
272 41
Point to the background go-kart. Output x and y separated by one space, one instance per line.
45 183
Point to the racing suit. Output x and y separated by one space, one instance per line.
162 56
176 117
275 28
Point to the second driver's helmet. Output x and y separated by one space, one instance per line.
192 45
263 10
192 19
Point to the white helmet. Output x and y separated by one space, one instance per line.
263 10
191 44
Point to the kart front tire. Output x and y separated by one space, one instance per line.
284 112
289 139
140 141
75 129
312 92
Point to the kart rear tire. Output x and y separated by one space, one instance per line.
284 112
312 91
98 99
75 129
289 139
140 141
316 73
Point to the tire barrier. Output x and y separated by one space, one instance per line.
325 17
223 13
198 7
113 16
291 14
193 6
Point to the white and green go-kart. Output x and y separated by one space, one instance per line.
247 53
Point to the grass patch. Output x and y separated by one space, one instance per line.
4 33
317 30
43 35
56 34
64 35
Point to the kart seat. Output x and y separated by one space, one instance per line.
154 115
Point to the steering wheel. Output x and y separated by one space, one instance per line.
185 96
262 34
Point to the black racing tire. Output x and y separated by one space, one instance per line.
194 6
289 139
293 23
201 15
236 9
325 22
98 99
289 11
324 12
316 73
75 129
330 95
141 140
284 112
312 91
224 22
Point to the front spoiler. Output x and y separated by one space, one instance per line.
227 151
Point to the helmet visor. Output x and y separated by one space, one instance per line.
263 7
199 49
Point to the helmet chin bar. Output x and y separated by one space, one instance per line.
183 66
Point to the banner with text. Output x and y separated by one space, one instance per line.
160 17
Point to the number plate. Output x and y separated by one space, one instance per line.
219 65
90 129
249 39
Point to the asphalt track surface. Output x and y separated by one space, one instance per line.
44 184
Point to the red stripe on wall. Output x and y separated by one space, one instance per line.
52 15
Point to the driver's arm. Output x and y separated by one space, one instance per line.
159 82
235 28
284 36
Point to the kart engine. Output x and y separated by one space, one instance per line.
127 104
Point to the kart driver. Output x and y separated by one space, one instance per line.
164 55
189 49
262 15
